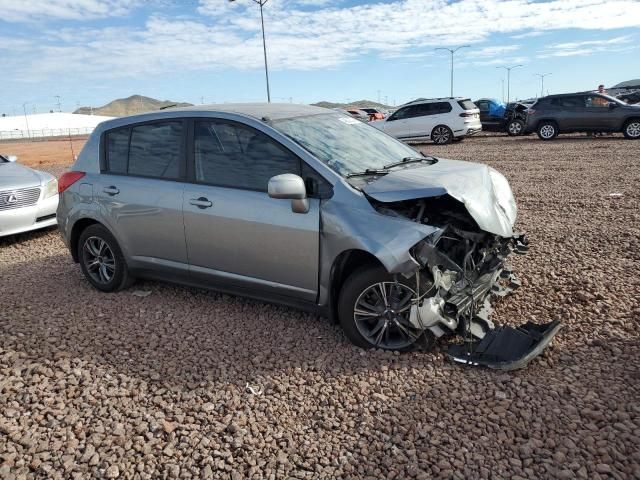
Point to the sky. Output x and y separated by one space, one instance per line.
89 52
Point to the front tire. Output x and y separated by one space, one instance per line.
374 310
101 259
441 135
515 128
631 129
547 130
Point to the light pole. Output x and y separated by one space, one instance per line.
58 104
508 69
24 108
452 51
541 75
264 45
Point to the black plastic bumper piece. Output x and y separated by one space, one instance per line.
506 348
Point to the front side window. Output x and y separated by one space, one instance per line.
233 155
596 101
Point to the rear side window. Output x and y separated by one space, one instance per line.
445 107
467 104
117 150
155 150
568 102
237 156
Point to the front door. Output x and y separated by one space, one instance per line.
237 236
140 193
598 115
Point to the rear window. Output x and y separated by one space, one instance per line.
467 104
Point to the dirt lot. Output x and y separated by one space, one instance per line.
116 385
44 154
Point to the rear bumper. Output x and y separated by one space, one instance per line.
25 219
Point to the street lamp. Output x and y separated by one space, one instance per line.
508 69
541 75
264 45
452 51
24 108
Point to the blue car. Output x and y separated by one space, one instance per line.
497 116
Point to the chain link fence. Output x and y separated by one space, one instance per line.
38 135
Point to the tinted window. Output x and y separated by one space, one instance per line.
155 150
234 155
467 104
405 112
445 107
117 149
425 109
316 185
568 102
483 106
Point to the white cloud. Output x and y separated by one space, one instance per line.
28 10
299 36
589 47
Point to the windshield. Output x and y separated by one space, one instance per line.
345 144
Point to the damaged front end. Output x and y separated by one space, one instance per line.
461 268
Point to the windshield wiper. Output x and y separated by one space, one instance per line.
368 171
406 160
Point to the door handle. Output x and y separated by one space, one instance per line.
111 190
201 202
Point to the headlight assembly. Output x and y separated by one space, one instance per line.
50 188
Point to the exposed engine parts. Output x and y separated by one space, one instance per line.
461 269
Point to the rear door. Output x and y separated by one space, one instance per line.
569 112
237 236
140 193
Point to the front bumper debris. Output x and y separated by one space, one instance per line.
506 348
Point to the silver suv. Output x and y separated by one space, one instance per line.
297 205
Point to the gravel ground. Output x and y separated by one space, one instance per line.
123 386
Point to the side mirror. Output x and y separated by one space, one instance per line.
12 158
290 187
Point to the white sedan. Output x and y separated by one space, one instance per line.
28 198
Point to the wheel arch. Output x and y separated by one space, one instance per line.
78 227
345 263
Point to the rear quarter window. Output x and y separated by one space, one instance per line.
467 104
117 147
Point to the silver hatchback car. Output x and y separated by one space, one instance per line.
303 206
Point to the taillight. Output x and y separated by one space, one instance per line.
67 179
467 114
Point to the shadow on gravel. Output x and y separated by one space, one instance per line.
175 334
25 237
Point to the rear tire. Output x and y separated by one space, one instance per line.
515 128
101 259
369 322
547 130
441 135
631 129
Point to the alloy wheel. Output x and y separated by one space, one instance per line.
381 314
547 131
515 128
633 129
441 135
99 260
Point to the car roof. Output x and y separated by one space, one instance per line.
259 111
427 100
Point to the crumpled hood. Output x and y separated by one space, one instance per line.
14 175
484 192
